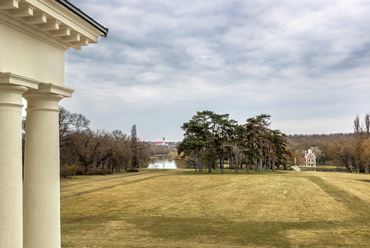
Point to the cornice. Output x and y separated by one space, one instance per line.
32 32
50 21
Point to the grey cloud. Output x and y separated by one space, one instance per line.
287 58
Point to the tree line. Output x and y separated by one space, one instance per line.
87 151
210 139
98 150
347 151
353 152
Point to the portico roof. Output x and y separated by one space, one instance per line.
87 18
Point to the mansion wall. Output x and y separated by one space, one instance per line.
23 53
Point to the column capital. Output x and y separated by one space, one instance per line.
42 101
13 88
11 95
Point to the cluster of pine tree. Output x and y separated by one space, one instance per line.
210 139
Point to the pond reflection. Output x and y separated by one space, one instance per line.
166 164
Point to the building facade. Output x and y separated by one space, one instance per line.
34 36
309 159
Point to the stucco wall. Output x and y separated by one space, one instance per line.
31 57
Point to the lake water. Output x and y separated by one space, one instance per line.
166 164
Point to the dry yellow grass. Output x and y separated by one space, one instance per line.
178 209
355 184
85 184
334 237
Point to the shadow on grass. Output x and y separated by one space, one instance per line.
108 187
355 204
366 181
226 171
224 233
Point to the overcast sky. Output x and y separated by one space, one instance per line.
306 63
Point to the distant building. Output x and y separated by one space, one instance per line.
301 161
164 143
309 159
161 143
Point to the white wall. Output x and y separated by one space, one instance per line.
30 57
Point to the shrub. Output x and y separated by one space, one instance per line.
98 171
65 172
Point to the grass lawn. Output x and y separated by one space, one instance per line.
180 208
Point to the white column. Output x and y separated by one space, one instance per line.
11 231
41 192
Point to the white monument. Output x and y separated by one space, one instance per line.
34 35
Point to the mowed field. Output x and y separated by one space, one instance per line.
178 208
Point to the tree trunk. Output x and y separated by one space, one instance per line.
260 167
76 159
200 166
256 164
